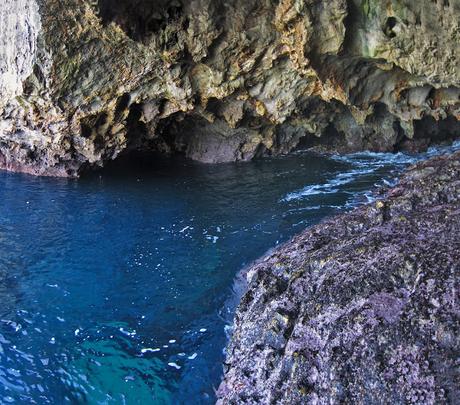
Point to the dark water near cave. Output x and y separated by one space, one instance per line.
115 288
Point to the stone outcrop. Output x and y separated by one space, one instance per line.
82 81
360 309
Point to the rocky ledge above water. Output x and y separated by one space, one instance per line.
82 81
360 309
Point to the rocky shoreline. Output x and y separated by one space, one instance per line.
362 308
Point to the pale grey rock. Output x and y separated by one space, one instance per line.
19 29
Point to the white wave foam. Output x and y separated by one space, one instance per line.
368 163
399 158
332 186
377 159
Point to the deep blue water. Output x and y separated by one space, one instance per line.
114 287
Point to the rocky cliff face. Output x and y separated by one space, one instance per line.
82 81
361 309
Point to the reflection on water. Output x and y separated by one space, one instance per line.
112 287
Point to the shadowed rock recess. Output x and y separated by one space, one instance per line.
82 81
360 309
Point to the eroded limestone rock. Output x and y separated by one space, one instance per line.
82 81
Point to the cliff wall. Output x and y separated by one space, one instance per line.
82 81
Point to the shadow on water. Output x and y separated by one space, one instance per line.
114 287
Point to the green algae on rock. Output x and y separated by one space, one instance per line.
362 308
82 81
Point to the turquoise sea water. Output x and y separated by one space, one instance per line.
115 288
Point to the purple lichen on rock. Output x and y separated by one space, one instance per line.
362 308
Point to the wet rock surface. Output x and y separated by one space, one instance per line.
83 81
362 308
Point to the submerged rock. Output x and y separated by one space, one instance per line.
360 309
82 81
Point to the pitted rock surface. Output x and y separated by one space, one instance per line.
82 81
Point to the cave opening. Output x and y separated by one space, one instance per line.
389 26
166 136
427 132
148 151
140 19
430 132
137 130
329 136
212 140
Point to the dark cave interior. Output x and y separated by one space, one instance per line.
140 18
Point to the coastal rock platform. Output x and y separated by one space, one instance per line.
360 309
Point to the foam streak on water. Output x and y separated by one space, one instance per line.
367 163
113 287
